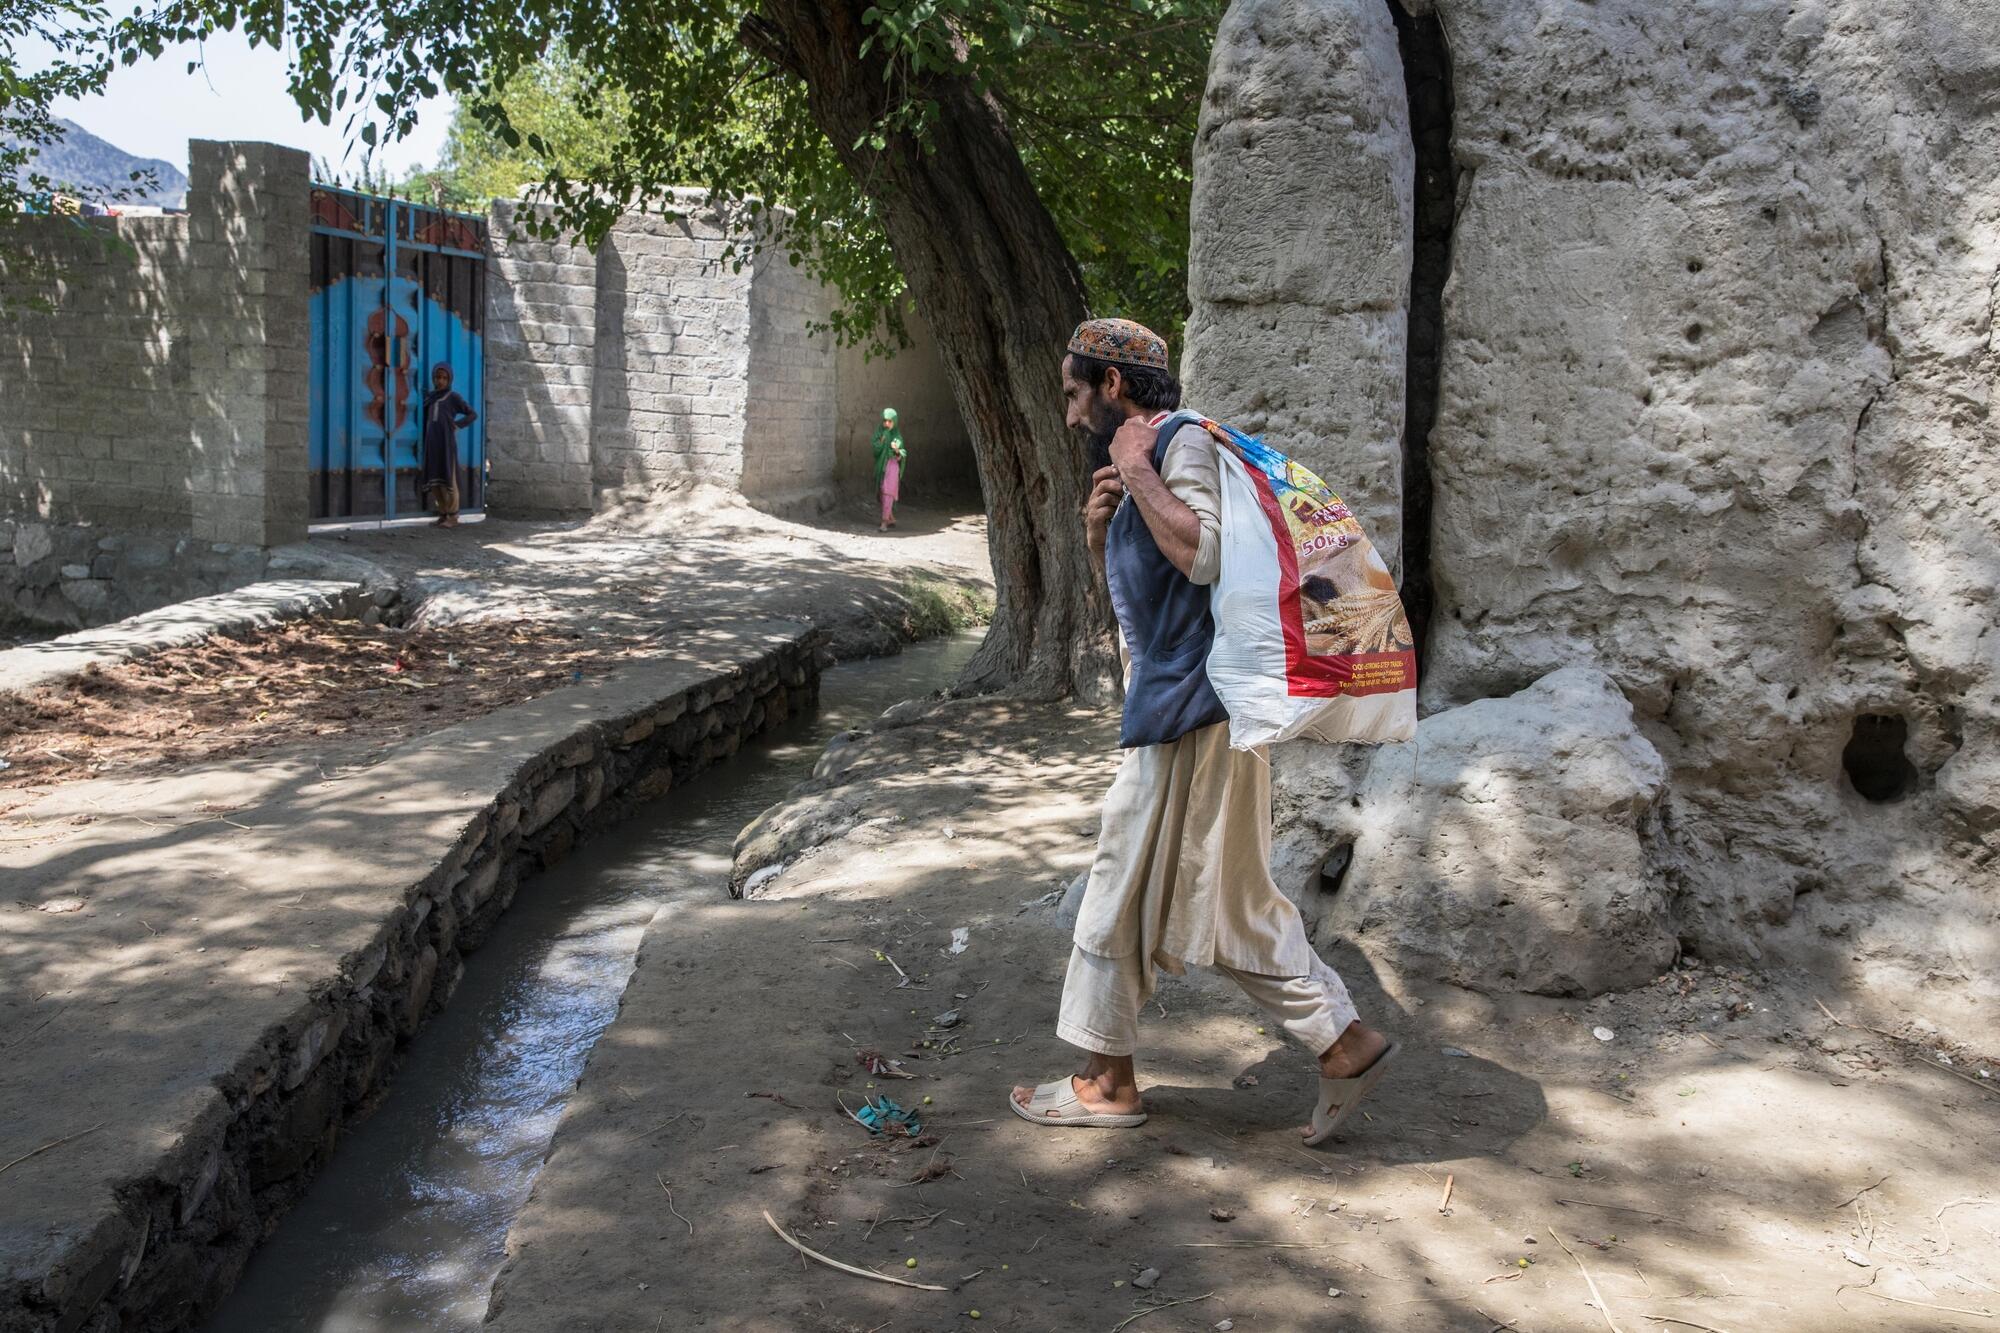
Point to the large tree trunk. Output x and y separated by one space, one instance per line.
993 278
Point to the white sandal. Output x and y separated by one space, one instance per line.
1346 1094
1056 1103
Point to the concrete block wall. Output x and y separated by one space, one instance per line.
541 366
166 390
673 355
94 393
656 363
246 316
789 425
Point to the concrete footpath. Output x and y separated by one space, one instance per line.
203 975
1726 1159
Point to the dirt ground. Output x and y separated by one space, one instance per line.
502 612
1712 1151
281 686
706 559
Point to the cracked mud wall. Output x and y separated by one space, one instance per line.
1714 417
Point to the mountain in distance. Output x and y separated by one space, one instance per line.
82 160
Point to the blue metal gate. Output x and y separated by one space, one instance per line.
397 288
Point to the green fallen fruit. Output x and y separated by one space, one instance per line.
909 1263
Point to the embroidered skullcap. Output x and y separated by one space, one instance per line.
1121 342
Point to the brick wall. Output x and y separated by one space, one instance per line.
656 363
541 359
246 316
166 391
673 353
789 428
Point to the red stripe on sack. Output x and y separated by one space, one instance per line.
1312 677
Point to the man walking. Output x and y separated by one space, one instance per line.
1182 874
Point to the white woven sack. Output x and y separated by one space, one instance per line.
1269 664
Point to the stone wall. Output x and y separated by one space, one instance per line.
941 467
74 575
166 390
673 355
1305 120
1713 417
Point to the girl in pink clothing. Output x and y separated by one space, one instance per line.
889 456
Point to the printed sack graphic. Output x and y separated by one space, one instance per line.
1310 636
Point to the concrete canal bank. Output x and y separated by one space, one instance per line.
204 976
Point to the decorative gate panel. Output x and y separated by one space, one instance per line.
397 288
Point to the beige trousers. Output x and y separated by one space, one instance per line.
1101 998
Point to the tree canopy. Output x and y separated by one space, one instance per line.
605 107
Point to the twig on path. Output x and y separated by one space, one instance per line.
53 1143
921 1220
1981 1084
792 1241
1670 1319
670 1202
1498 1327
1959 1202
1865 1290
1621 1208
1603 1308
1858 1193
891 960
1155 1309
1444 1204
1258 1244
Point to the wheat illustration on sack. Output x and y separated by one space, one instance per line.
1310 634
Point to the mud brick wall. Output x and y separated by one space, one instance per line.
164 387
216 1195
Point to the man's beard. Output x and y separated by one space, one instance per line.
1097 432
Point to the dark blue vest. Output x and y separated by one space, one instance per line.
1167 626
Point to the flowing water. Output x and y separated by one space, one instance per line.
406 1226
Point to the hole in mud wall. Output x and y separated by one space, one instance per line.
1874 758
1333 871
1427 85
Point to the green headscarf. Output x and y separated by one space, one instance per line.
888 443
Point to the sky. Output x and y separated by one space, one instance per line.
154 107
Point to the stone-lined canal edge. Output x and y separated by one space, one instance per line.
173 1235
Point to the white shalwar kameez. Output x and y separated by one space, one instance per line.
1183 869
